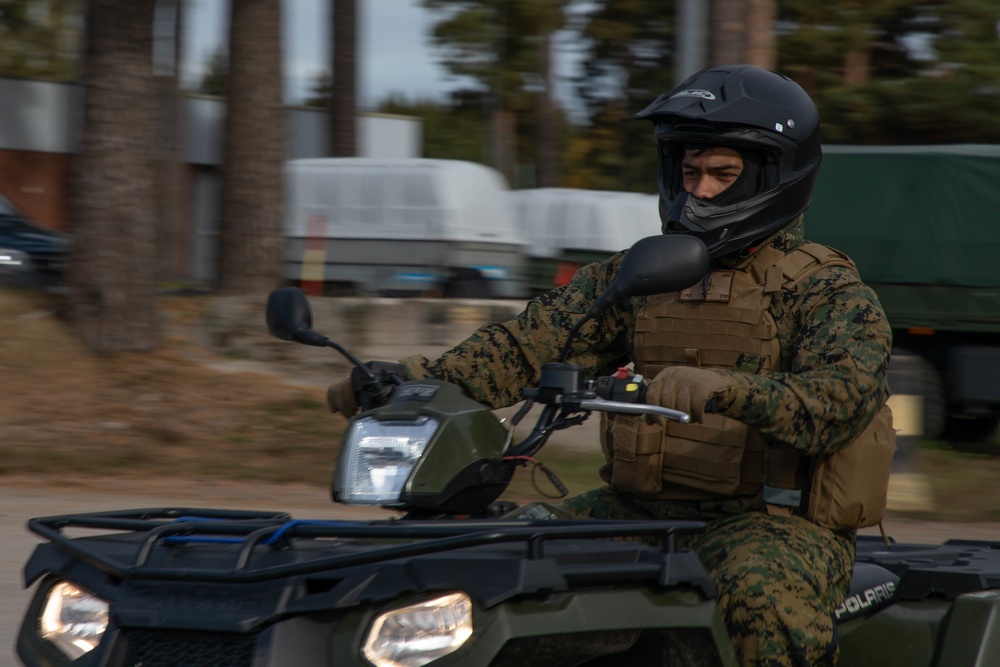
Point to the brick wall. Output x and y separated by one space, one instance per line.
38 184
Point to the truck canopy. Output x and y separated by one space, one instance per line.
397 199
914 215
401 226
553 220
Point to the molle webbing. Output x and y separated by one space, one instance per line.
668 333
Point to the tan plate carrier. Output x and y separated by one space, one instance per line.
725 323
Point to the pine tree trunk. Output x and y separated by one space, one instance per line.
503 129
727 37
112 276
251 241
169 166
857 67
548 157
344 102
743 32
762 48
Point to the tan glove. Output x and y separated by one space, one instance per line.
340 397
688 389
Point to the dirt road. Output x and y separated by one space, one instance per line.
24 498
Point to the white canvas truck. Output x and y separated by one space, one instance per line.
410 226
566 228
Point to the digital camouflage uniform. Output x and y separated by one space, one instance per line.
779 578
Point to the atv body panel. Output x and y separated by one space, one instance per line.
207 588
922 605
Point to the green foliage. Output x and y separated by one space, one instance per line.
453 132
494 42
320 91
40 39
964 108
498 48
493 45
626 66
881 72
216 79
629 54
945 91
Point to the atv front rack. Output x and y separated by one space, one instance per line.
242 546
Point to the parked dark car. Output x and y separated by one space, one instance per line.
30 255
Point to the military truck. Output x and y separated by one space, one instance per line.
403 226
921 224
565 228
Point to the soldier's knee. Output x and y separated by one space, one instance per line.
773 626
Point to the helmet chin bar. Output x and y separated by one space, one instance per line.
730 228
676 217
679 221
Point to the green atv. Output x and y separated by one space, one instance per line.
461 579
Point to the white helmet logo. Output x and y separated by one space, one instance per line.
694 92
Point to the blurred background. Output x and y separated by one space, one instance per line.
482 149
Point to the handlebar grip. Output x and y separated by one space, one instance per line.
633 390
378 392
623 390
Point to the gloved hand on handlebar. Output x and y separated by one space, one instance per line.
343 395
340 397
689 390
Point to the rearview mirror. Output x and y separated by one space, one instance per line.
664 263
288 314
654 265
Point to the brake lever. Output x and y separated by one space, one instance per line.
604 405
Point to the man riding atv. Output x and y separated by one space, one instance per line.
779 353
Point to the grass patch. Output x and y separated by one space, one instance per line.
575 469
964 484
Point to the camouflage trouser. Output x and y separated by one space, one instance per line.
778 579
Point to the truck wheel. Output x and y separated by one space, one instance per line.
913 377
467 283
973 434
340 288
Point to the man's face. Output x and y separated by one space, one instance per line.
709 171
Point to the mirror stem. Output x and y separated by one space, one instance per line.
354 360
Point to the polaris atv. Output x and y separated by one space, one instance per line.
460 578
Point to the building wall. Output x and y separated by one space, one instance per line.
38 184
41 128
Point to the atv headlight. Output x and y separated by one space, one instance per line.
73 619
379 456
415 635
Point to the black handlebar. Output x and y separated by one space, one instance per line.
375 382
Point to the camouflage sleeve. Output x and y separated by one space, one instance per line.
496 363
835 344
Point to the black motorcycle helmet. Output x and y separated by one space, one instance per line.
774 125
